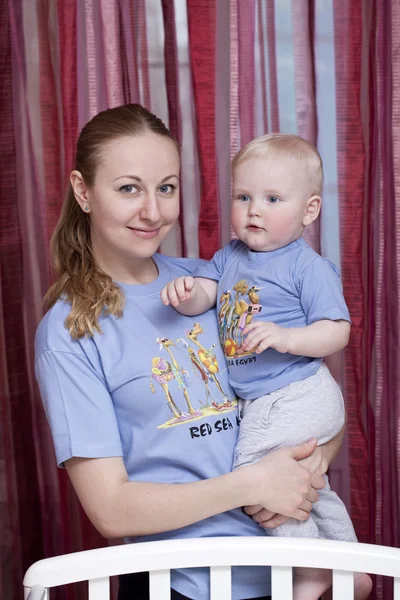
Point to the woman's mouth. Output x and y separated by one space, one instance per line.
145 233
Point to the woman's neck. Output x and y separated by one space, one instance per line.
134 272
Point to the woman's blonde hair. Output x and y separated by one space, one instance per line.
275 145
80 281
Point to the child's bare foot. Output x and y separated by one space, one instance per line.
362 586
310 584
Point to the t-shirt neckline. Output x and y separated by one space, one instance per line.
154 287
252 258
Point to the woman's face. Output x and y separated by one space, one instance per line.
134 201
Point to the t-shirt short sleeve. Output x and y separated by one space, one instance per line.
321 292
78 406
214 268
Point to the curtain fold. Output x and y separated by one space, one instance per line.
172 83
202 24
246 28
305 82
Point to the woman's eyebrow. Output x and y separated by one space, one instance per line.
128 177
138 178
169 177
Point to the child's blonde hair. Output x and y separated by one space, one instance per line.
275 145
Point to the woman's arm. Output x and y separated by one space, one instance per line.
118 507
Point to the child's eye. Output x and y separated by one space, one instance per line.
167 188
244 197
272 199
128 188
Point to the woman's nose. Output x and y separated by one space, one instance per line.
150 209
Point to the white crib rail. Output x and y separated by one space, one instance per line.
219 554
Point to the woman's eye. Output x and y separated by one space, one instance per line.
167 188
128 188
273 199
244 198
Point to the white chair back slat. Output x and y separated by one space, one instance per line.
282 583
220 583
342 585
99 589
396 589
37 592
160 585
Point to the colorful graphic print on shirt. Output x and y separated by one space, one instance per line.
236 310
205 365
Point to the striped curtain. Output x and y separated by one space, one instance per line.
218 72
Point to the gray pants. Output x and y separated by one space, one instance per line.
290 416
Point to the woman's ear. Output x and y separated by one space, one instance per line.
80 190
312 210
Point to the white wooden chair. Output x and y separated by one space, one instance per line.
282 554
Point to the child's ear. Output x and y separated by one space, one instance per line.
311 210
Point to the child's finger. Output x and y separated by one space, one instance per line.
189 283
254 325
172 295
249 327
254 340
263 345
180 288
164 295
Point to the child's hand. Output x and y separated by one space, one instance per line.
261 335
179 290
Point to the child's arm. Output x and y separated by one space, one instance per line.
317 340
190 295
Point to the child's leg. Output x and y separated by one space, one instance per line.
333 522
289 416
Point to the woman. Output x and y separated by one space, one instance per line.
139 407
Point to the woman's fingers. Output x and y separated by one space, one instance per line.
306 506
317 482
284 486
262 515
275 521
253 509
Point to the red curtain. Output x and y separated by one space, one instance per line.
219 72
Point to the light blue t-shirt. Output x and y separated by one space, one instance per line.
292 287
152 388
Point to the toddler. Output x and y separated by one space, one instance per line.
280 311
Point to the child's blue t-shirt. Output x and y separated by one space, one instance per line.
152 388
292 286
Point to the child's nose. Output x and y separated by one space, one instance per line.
255 209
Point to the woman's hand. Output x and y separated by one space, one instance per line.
321 458
282 485
317 462
265 518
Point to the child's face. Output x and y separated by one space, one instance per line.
269 202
